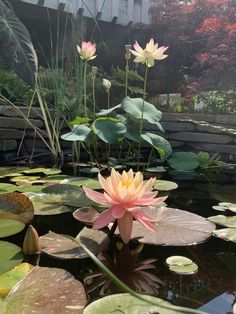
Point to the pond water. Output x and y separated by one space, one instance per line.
212 289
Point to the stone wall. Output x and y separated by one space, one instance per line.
15 133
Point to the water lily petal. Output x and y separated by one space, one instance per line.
118 211
125 224
144 219
96 196
104 219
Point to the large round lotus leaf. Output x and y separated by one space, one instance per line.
125 303
45 290
7 187
227 221
60 246
86 214
9 227
159 143
16 206
173 227
223 193
183 161
80 133
227 234
71 195
83 181
138 109
46 171
184 269
163 185
11 256
109 130
178 261
9 279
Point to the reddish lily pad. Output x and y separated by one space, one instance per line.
86 214
174 227
64 247
16 206
45 290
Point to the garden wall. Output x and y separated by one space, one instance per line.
15 133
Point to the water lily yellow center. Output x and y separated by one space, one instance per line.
126 196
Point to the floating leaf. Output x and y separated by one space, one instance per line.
178 261
89 170
11 256
159 143
7 172
9 227
46 171
182 175
183 161
16 206
83 181
86 214
181 265
126 303
51 290
163 185
159 169
174 227
9 279
109 130
7 187
227 234
64 247
55 179
228 206
227 221
30 188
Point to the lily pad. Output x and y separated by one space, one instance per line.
181 265
227 234
30 188
159 169
51 290
9 279
16 206
173 227
9 227
227 221
183 161
125 303
7 187
64 247
83 181
46 171
27 179
223 206
178 261
11 256
86 214
7 172
163 185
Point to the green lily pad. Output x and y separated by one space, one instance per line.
11 256
7 187
46 171
30 188
63 247
83 181
7 172
184 269
125 303
178 261
16 206
55 179
9 279
183 161
228 206
163 185
159 169
51 290
9 227
227 221
227 234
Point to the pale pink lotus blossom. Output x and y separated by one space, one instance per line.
149 54
87 50
125 194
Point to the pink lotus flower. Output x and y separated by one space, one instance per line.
87 50
125 194
149 54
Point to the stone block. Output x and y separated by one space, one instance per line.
178 126
6 145
217 148
175 144
226 119
18 123
200 137
7 134
9 111
192 116
210 129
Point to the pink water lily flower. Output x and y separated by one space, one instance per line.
125 194
149 54
87 50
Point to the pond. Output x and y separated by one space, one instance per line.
211 287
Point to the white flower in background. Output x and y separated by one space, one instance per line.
106 84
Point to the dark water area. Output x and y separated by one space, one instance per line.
212 289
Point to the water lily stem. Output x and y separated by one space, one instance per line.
126 77
108 99
85 89
113 229
141 120
94 98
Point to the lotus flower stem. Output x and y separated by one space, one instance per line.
94 98
85 89
141 121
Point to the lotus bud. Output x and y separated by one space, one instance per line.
31 244
127 52
106 84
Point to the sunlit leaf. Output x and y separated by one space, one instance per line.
83 181
163 185
183 161
227 234
11 256
9 227
227 221
159 143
